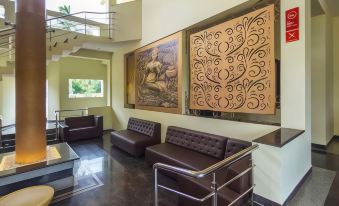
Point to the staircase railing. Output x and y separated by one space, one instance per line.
87 23
203 173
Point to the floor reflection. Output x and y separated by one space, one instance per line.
126 180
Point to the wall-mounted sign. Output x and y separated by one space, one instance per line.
292 24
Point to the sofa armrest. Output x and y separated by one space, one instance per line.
244 182
157 133
63 131
98 121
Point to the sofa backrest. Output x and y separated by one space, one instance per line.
208 144
234 145
143 126
78 122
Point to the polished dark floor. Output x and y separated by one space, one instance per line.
329 159
127 181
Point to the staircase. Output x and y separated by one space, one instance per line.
65 35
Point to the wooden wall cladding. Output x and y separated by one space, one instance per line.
232 65
130 78
159 75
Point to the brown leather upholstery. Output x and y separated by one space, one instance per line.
201 187
178 156
208 144
139 135
196 151
78 122
234 145
77 128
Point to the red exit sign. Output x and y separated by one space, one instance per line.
292 24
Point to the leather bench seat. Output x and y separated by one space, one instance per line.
178 156
138 135
201 187
131 141
196 151
78 133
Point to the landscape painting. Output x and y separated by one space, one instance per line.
158 75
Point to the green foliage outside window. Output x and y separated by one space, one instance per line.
85 88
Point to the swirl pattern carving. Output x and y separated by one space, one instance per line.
232 65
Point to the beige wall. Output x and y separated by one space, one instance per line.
79 68
336 73
53 78
58 74
7 102
155 13
322 77
160 20
319 79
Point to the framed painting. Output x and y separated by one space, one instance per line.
159 75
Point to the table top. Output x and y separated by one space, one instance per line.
67 154
30 196
280 137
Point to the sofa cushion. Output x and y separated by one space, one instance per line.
83 133
142 126
77 122
178 156
131 142
233 146
130 136
204 143
200 188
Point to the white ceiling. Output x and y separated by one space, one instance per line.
334 6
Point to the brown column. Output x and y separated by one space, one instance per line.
30 81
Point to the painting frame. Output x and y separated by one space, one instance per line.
129 85
178 36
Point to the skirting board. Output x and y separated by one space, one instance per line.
323 148
263 201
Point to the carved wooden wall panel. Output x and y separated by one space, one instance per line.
232 65
159 75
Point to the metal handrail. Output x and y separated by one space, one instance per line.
10 32
205 172
71 110
81 12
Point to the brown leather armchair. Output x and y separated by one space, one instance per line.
77 128
196 150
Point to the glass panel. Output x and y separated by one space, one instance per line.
2 11
123 1
74 6
68 25
85 88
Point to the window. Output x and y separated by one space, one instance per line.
79 88
2 11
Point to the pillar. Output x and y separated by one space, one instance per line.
30 81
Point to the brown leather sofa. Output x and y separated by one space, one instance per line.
138 135
78 128
196 151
